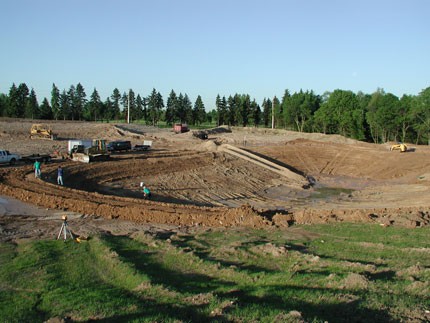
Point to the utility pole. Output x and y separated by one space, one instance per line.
273 113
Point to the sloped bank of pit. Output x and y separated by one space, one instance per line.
180 182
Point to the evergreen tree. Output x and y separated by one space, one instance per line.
79 100
45 110
199 113
116 110
231 111
275 109
188 108
181 114
18 97
282 117
222 111
72 103
171 108
65 111
212 116
3 104
124 103
145 109
237 110
131 97
23 94
155 106
245 110
32 107
267 108
94 107
55 101
12 109
256 113
108 110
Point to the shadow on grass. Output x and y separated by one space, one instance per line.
158 272
202 252
346 311
340 305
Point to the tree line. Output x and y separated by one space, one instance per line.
377 117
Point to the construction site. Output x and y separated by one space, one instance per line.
236 177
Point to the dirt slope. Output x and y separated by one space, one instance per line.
195 183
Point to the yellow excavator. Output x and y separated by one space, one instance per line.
399 146
42 131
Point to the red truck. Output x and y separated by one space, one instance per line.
180 127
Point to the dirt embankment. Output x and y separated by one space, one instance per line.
195 184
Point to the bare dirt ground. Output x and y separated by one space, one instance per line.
198 183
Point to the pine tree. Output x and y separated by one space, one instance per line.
267 112
155 106
65 106
256 113
32 107
199 113
94 106
45 110
171 108
55 101
79 100
116 110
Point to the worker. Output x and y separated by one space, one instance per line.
60 176
146 192
37 169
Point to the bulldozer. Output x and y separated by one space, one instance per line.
97 152
42 131
399 146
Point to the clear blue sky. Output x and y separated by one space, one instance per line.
210 47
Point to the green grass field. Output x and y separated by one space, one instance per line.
334 273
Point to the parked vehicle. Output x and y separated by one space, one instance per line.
124 145
147 144
201 134
180 127
7 158
45 158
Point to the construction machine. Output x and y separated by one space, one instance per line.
42 131
399 146
97 152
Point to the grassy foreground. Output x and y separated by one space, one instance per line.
334 273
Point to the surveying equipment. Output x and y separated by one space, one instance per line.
65 229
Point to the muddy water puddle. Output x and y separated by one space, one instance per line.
318 194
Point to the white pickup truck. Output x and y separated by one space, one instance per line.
7 158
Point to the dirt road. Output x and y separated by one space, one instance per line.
195 183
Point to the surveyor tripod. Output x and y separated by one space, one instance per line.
65 230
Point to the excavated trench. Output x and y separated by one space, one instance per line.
217 188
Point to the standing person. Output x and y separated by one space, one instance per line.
37 169
60 176
146 192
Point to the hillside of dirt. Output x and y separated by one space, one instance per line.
197 183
